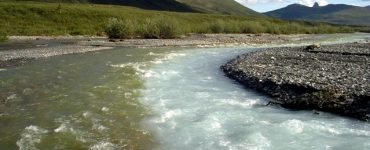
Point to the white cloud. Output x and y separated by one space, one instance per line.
323 2
306 2
310 3
302 2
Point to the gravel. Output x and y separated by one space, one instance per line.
15 57
20 49
333 78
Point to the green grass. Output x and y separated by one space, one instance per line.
34 18
3 38
230 7
169 5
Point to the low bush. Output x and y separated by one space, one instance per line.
161 28
251 27
149 29
3 37
168 28
120 29
217 27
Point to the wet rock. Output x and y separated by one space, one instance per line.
312 47
113 40
332 78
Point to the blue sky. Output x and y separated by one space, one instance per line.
267 5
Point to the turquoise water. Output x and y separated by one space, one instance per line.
196 107
170 98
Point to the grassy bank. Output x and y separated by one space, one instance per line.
3 38
33 18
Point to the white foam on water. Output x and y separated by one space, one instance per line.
255 141
105 109
104 146
194 106
64 127
30 137
99 127
294 126
139 67
11 97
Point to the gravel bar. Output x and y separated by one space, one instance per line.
20 49
332 78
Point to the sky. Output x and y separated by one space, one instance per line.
268 5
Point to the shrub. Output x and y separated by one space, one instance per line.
232 27
251 27
3 37
164 28
168 28
150 30
217 26
202 28
120 29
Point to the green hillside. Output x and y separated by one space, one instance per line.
36 18
167 5
219 6
229 7
333 13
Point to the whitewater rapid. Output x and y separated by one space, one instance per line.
194 106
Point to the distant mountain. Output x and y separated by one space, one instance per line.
229 7
332 13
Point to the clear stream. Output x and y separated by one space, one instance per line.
164 98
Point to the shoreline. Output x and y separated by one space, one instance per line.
18 50
332 78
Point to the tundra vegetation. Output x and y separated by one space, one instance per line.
37 18
3 38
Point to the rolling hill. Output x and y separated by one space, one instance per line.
228 7
332 13
40 18
167 5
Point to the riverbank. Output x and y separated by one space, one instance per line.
19 49
334 78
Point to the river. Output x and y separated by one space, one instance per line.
163 98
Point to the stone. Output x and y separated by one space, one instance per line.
328 79
312 47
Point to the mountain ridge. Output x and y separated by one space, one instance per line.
229 7
332 13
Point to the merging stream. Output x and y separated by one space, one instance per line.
169 98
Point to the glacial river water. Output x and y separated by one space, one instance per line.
164 98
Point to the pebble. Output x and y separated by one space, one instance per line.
328 78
